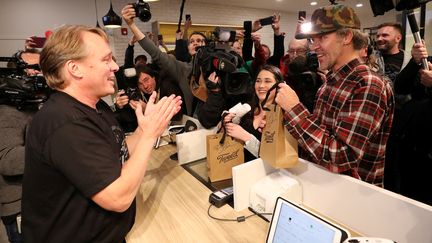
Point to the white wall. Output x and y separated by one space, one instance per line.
23 18
42 15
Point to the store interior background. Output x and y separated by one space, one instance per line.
24 18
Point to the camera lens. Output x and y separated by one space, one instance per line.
142 10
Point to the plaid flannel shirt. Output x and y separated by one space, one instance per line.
348 130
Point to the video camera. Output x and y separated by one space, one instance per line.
218 57
19 89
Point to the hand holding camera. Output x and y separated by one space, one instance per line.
121 99
142 10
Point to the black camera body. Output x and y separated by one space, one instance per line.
133 94
218 57
19 89
142 10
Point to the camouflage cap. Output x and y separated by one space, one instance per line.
330 18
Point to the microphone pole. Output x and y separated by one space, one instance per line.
415 30
181 16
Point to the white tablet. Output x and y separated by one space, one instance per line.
293 224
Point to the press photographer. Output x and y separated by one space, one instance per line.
148 80
21 83
300 70
226 81
22 92
177 71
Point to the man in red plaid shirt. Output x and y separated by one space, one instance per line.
348 130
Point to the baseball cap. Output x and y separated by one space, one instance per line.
330 18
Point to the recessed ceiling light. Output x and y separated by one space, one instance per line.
359 5
313 3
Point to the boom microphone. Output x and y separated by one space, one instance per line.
415 30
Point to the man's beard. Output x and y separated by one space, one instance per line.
386 46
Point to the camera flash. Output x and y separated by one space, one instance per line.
306 27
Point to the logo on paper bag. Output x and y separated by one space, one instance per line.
223 158
269 136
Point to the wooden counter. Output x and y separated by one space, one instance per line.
172 207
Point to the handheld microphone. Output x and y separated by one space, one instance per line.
240 110
415 30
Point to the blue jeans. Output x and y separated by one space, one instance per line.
12 232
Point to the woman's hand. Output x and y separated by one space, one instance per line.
236 131
259 121
228 118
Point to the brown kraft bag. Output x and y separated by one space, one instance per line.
223 153
278 147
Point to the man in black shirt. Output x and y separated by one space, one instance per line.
392 59
81 174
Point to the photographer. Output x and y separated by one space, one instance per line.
410 154
127 100
279 48
13 126
181 45
301 72
176 70
123 81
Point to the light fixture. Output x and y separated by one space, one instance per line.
359 5
97 21
306 27
313 3
111 19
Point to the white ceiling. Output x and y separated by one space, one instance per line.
291 5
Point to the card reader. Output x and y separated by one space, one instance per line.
221 197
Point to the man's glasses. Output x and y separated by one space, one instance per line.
297 51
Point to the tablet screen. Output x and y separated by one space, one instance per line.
293 224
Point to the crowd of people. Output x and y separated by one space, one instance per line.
352 105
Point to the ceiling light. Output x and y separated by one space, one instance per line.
313 3
111 19
359 5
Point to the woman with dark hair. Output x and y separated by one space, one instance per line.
149 80
250 128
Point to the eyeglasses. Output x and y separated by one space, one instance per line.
297 51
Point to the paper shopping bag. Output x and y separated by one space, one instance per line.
278 147
223 153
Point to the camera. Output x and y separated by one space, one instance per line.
218 57
133 94
19 89
142 10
